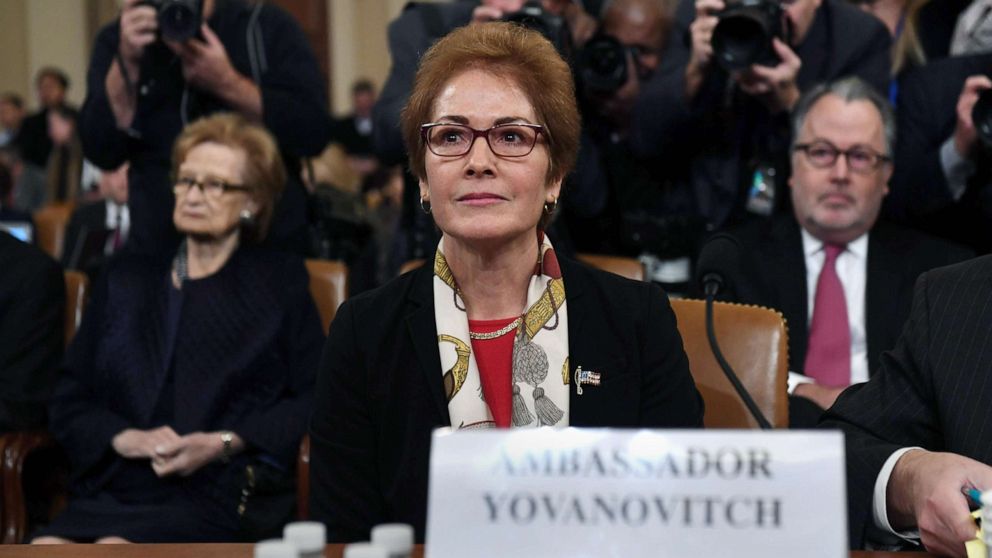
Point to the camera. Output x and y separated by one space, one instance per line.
602 64
533 16
743 35
178 20
981 116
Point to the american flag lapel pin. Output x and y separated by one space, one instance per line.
586 377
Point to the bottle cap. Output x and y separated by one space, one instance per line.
308 536
364 550
397 538
276 548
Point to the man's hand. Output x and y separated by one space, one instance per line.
821 395
774 86
187 454
139 25
206 65
925 490
483 14
138 444
965 134
701 30
617 106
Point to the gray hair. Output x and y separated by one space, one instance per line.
849 89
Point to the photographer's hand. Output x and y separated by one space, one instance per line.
138 28
206 66
774 86
965 134
483 14
701 30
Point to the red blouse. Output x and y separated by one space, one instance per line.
495 360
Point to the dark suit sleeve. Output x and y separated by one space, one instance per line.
344 492
103 143
669 395
294 105
278 428
919 185
895 409
32 314
873 62
83 426
407 37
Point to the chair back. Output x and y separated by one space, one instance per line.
77 287
328 286
50 223
754 340
630 268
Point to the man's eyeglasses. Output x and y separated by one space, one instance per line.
823 154
211 187
506 140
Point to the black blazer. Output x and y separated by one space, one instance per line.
772 273
379 392
85 218
932 390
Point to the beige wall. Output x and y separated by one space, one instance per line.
358 45
14 73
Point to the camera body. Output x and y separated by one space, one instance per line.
532 15
743 36
981 117
178 20
601 65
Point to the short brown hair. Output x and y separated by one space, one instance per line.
510 51
264 170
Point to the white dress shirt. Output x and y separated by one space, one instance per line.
852 270
113 210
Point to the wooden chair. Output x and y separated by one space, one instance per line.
754 340
50 223
624 267
328 286
630 268
76 292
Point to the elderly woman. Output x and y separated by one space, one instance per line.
186 392
497 331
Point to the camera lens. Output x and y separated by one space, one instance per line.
179 20
603 64
743 36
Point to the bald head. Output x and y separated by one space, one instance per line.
643 24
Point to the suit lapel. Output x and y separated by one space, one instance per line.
786 262
422 330
883 285
582 409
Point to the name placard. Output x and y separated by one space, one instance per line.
636 493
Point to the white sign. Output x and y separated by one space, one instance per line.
636 493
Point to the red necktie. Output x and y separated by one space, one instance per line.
828 355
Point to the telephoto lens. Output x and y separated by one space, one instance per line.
981 116
603 64
743 36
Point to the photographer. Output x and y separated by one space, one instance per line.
143 87
724 133
618 203
943 171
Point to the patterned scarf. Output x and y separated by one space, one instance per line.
540 350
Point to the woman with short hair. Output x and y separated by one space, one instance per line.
497 330
185 395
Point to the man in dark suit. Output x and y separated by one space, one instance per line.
943 171
32 314
105 222
842 280
917 433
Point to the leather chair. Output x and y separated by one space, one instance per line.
630 268
754 340
624 267
328 286
50 223
76 292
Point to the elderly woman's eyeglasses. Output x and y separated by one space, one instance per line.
506 140
211 187
823 154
